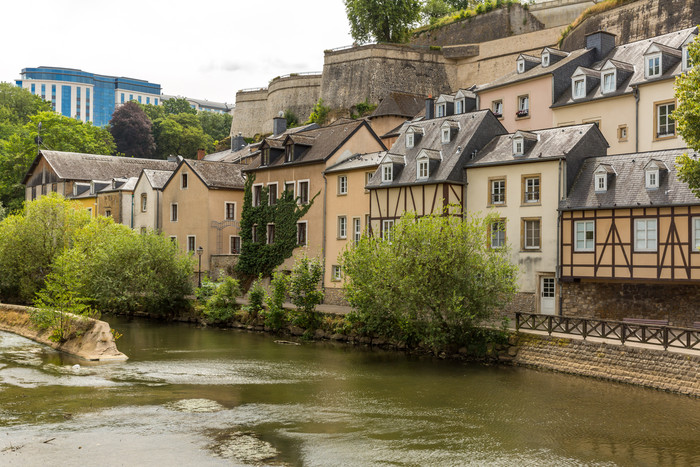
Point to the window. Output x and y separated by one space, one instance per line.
622 133
257 194
531 234
173 212
235 244
498 191
108 213
653 66
601 182
301 233
585 236
336 273
579 88
270 234
343 185
144 202
645 235
173 238
523 106
191 241
497 108
230 211
183 180
148 100
498 234
665 125
272 193
139 98
441 110
289 153
608 82
409 140
265 157
652 178
92 188
254 233
423 168
545 59
304 192
531 190
289 188
687 62
387 172
459 106
445 135
696 233
368 177
342 227
89 210
131 97
143 230
518 146
387 225
356 229
521 66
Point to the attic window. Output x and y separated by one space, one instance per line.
521 65
409 139
652 177
441 110
92 188
75 190
601 182
183 181
289 153
545 59
579 86
423 169
518 146
387 172
687 62
459 106
608 82
446 135
653 65
266 156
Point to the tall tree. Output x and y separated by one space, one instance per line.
177 105
216 125
131 129
382 20
687 116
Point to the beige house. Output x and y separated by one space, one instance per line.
347 213
116 200
393 110
630 93
148 193
520 178
201 204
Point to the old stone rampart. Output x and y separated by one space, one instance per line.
657 369
96 343
250 112
296 92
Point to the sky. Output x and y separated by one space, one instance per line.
203 49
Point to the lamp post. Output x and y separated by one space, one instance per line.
200 252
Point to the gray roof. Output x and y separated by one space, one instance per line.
120 185
401 104
218 174
626 188
476 129
630 58
157 178
357 161
78 166
551 143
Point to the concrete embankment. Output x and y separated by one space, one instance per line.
95 342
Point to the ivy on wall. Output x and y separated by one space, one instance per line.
261 257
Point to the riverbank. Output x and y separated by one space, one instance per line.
95 343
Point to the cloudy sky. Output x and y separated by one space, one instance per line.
206 49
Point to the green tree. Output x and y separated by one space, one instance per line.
177 105
292 119
303 287
434 281
216 125
20 104
687 116
131 129
319 113
382 20
180 134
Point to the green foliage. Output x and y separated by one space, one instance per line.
599 7
182 135
256 296
206 290
19 105
363 109
440 13
319 113
223 144
292 119
382 20
303 285
222 304
131 129
434 282
687 116
178 105
31 240
216 125
275 314
261 257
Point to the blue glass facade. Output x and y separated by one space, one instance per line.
43 91
33 88
65 100
53 97
105 88
19 83
77 103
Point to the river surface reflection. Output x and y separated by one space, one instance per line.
193 396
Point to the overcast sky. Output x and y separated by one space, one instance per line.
205 49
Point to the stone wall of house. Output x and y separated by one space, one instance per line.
658 369
219 263
677 303
637 20
334 296
296 92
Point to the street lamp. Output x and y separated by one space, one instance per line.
200 252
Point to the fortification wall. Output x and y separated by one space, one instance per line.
559 12
354 74
637 20
250 112
296 92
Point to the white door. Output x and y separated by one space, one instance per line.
547 287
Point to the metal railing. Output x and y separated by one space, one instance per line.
653 334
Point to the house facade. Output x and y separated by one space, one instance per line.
116 200
148 205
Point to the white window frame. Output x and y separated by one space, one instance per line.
499 234
226 205
194 243
696 234
613 82
410 139
497 197
657 67
530 195
230 244
497 107
651 178
342 184
387 226
257 200
306 233
600 181
336 273
342 227
290 183
268 240
518 146
445 135
173 238
527 239
144 202
387 172
641 234
667 125
289 153
108 213
271 201
356 229
422 169
265 157
459 106
545 59
92 188
173 218
299 191
521 65
578 87
687 62
582 230
441 110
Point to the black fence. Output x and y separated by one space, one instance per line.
654 334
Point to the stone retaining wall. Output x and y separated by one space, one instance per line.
658 369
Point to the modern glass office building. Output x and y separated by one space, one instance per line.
86 96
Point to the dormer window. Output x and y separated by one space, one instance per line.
521 65
652 178
75 189
652 65
423 169
446 135
608 82
441 110
545 59
687 62
601 182
409 139
92 188
289 153
579 86
518 146
459 106
387 172
266 156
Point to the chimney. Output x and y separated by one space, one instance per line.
429 108
602 41
237 143
200 154
279 124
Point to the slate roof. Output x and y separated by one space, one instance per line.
476 129
357 161
78 166
401 104
627 188
215 175
157 178
552 144
121 185
630 57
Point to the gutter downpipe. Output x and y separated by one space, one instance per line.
557 269
323 249
636 118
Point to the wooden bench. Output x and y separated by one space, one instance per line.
649 322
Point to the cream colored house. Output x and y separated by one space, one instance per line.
148 206
201 208
116 200
520 178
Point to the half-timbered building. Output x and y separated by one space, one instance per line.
630 240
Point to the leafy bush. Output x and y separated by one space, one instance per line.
206 290
303 285
319 113
275 314
256 297
222 304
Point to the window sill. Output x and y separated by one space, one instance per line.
342 194
664 137
499 205
531 204
533 250
646 251
522 118
583 251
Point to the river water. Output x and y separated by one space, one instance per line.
205 396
